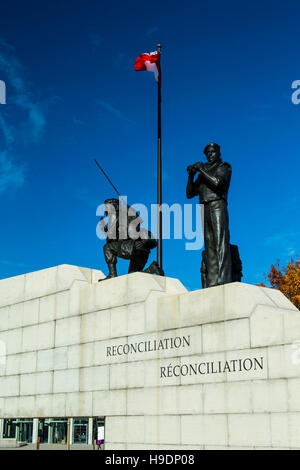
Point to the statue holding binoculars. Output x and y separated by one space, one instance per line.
212 185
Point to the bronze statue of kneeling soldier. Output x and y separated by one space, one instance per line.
127 240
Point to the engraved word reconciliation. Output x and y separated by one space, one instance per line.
148 346
214 367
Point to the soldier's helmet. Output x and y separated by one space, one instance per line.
114 202
214 146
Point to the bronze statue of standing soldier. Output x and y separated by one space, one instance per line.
212 185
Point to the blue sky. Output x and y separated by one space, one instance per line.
73 95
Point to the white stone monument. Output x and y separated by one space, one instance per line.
217 368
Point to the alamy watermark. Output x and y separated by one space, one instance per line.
296 95
120 221
2 92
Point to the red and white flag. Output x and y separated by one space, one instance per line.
149 61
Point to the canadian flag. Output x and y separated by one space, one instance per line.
149 61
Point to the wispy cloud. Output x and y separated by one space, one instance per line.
7 131
292 203
76 120
151 30
22 119
36 121
11 175
96 41
113 111
291 251
84 195
119 59
6 45
13 263
288 242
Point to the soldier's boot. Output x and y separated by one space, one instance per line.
138 263
112 272
154 268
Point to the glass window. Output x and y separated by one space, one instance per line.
98 428
58 430
9 429
24 428
80 433
43 430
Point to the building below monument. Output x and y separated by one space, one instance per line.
51 430
31 325
154 365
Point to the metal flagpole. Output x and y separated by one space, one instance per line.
159 173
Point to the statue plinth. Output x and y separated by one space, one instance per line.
168 369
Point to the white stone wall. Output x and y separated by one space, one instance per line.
62 330
248 409
56 333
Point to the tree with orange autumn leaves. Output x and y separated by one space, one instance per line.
286 279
